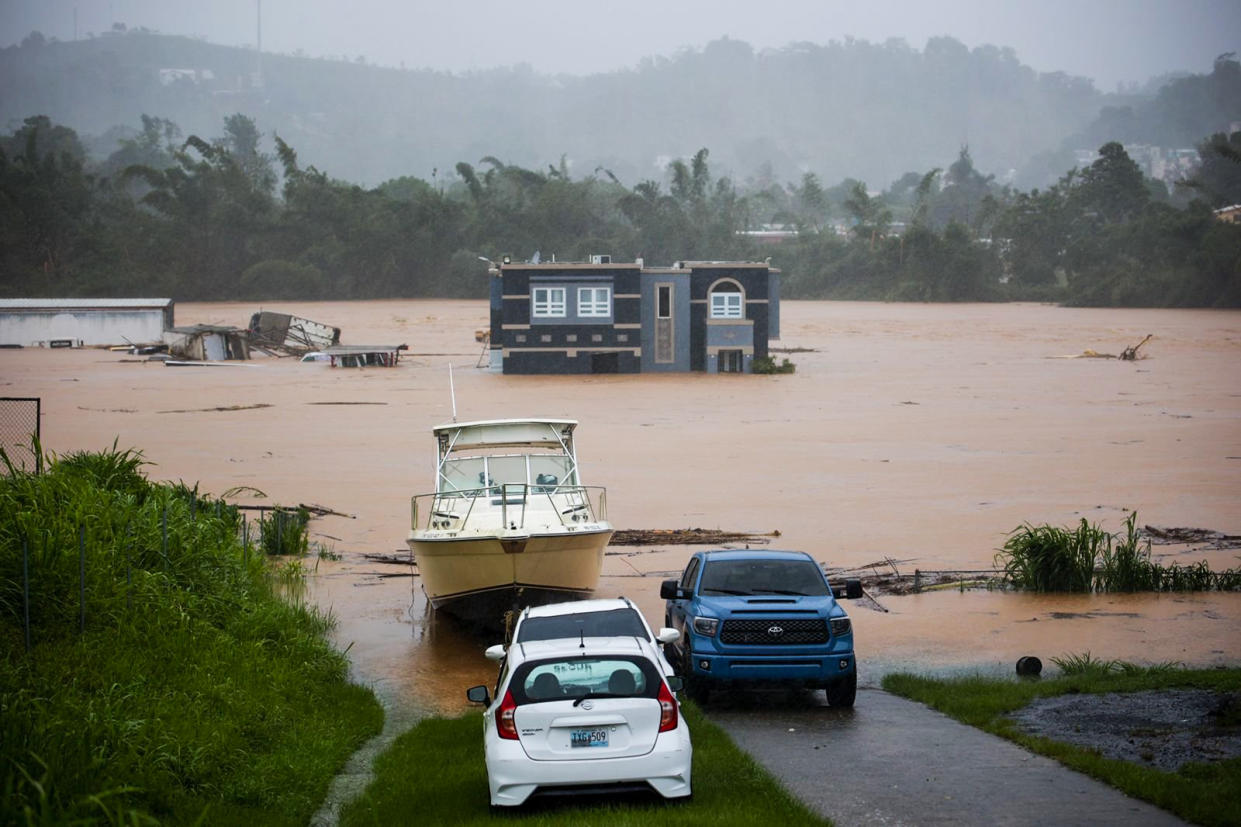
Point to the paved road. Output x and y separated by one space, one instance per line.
890 762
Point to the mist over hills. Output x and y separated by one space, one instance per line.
844 109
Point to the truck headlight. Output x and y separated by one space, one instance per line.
707 626
840 626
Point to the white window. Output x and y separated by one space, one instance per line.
726 306
594 301
547 302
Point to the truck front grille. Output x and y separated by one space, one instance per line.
775 632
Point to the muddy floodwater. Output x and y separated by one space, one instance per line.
915 434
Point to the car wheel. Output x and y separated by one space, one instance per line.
842 692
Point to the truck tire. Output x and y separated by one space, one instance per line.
842 692
696 688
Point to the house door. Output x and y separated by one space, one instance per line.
665 334
730 361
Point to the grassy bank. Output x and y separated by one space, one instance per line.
436 773
1202 793
164 681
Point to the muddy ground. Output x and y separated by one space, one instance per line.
1162 730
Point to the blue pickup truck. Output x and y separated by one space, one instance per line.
747 615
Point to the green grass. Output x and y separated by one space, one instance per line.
1208 794
1048 558
193 694
435 774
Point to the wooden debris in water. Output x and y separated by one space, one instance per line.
1129 354
685 537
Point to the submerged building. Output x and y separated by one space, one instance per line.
602 316
83 322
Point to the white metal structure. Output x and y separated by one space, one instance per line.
509 523
593 715
33 322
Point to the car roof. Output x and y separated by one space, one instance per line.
573 647
751 553
573 607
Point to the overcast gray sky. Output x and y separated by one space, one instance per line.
1109 41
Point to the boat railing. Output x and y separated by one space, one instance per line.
509 506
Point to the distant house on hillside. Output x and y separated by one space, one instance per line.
1231 214
602 316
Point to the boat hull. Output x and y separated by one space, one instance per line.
479 578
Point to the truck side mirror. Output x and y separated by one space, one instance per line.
853 589
668 590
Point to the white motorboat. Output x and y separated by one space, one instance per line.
509 523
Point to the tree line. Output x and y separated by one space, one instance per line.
219 219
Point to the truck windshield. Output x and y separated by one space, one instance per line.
793 577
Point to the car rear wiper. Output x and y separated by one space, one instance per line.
581 698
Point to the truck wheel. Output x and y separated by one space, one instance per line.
695 687
842 692
698 691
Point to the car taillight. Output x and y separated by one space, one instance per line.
504 718
667 709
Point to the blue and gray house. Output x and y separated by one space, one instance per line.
602 316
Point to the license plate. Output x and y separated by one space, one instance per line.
588 737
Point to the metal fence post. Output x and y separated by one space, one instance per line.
163 532
26 588
82 577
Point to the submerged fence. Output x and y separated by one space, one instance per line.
278 531
19 432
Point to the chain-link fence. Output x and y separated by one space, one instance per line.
19 432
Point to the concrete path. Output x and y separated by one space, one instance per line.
890 761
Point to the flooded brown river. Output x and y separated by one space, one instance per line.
917 433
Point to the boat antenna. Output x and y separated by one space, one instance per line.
452 392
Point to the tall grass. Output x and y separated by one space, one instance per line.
1047 558
189 693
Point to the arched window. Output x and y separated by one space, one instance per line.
727 300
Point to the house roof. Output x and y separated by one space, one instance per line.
83 304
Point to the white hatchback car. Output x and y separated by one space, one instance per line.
598 617
586 715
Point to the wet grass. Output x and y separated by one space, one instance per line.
181 690
435 774
1086 558
1208 794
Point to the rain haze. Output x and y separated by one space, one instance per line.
1109 42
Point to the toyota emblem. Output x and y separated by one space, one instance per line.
775 631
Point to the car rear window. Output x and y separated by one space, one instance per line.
608 676
612 623
795 577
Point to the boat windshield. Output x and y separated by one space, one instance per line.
542 471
